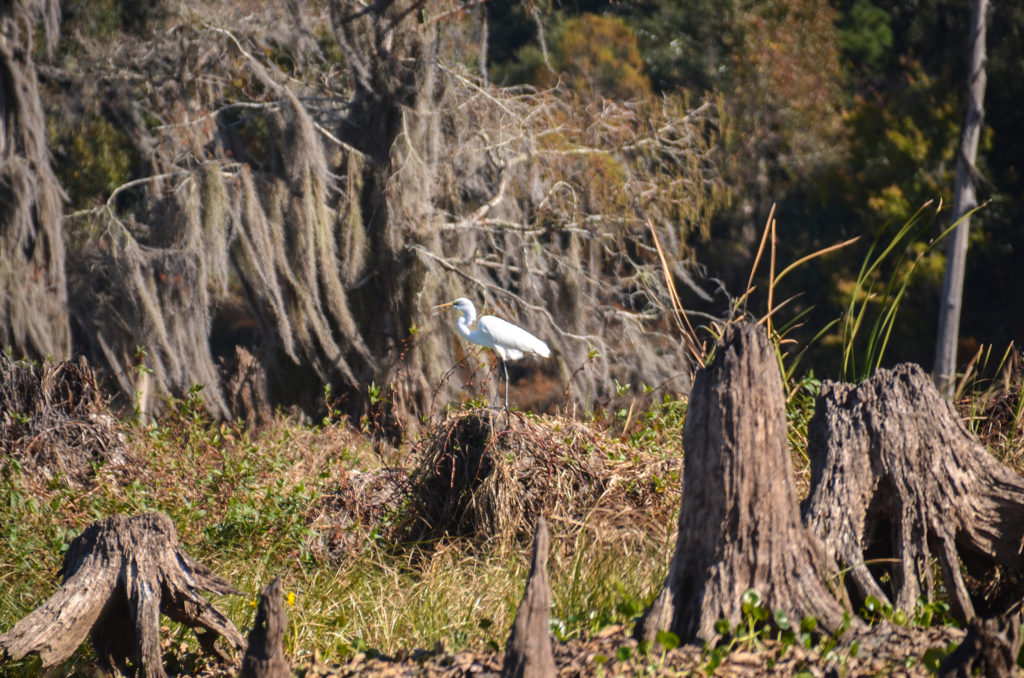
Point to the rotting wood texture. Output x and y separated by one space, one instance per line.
896 479
119 575
265 656
990 648
739 523
528 653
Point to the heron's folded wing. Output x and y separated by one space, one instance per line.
514 340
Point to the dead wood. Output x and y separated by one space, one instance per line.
265 656
247 390
897 479
739 524
990 647
528 653
119 575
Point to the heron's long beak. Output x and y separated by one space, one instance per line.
442 307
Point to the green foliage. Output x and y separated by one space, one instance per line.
905 147
850 139
102 20
594 590
757 623
597 54
929 612
251 508
600 56
933 657
866 35
926 613
875 301
92 157
799 410
687 44
660 422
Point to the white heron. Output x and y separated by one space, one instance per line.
508 341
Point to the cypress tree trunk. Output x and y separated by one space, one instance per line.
264 657
964 200
528 652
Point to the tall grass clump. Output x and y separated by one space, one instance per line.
875 301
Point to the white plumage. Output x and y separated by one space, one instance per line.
508 341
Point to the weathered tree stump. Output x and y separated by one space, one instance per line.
739 523
119 575
246 387
265 656
528 653
990 647
897 479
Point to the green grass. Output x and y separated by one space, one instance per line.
250 507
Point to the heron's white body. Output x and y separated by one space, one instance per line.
508 341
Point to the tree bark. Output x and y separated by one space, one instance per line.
528 653
265 656
897 478
119 575
990 648
739 525
964 200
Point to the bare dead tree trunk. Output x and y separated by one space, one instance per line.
895 476
484 34
528 652
964 200
119 575
739 524
264 657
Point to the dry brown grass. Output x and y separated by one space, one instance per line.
993 406
489 475
55 425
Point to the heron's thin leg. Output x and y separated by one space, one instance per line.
505 365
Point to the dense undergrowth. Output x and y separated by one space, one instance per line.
253 506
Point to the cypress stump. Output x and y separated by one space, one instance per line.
528 653
119 575
739 522
265 656
897 479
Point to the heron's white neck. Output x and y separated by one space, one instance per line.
467 318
